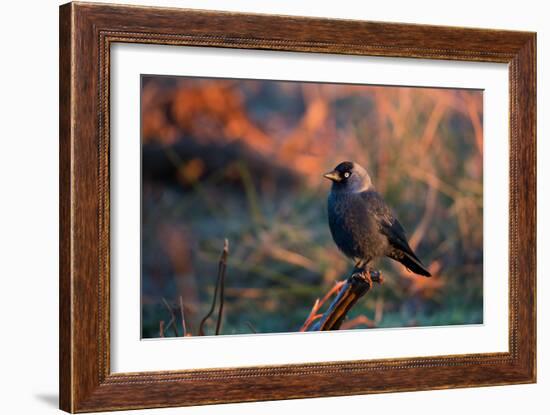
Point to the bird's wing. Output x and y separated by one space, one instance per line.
397 237
388 223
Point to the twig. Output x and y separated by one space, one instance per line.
333 290
251 327
183 327
172 321
309 318
221 271
357 321
313 315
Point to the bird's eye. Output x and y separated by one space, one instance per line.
347 174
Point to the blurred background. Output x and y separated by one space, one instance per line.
243 160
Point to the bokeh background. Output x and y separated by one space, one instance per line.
243 160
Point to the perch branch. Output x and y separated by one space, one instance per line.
355 287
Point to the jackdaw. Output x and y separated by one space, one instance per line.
362 225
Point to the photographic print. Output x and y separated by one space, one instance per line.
242 182
282 206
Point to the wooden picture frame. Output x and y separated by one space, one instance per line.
86 33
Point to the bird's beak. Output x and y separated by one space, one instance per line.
332 175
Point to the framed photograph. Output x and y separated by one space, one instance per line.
259 207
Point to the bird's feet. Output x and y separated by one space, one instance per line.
366 273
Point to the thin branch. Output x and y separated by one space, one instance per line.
357 321
221 271
222 268
172 321
183 327
251 327
313 315
333 290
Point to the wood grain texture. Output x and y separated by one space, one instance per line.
86 33
65 247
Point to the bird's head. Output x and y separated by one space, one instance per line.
350 177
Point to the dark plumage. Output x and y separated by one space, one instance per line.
363 227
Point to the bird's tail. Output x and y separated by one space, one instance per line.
414 265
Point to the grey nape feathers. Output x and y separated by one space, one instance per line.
363 227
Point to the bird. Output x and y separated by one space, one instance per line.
362 225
